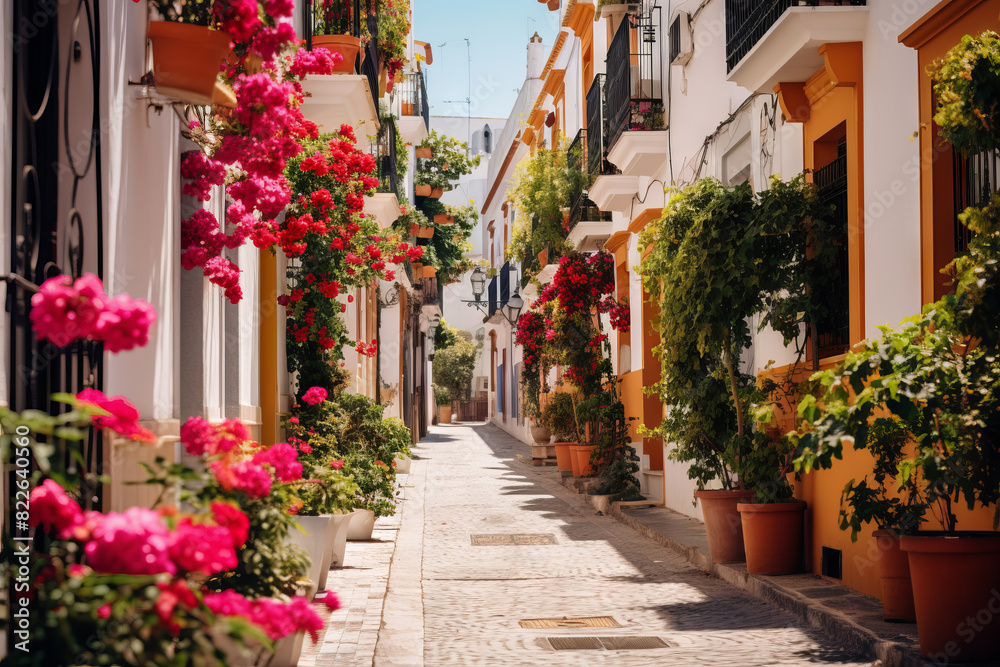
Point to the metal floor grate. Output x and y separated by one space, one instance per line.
623 643
570 622
518 539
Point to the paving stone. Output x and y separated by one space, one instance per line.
467 600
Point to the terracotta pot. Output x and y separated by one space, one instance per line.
186 62
444 411
894 569
564 457
773 536
543 258
956 593
407 108
541 435
414 228
581 460
443 219
425 153
362 525
430 272
723 523
345 45
422 190
426 232
382 84
437 193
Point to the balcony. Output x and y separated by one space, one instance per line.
636 130
415 114
338 99
597 129
772 41
384 205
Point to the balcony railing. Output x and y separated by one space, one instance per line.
634 88
597 128
976 179
384 151
356 11
834 330
413 95
747 21
581 208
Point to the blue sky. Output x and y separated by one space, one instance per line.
498 32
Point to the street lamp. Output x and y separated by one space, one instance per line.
514 305
478 280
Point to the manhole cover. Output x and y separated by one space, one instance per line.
571 622
520 539
631 643
609 643
575 643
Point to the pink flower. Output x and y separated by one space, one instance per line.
50 506
104 611
550 334
238 17
123 418
282 457
314 396
336 464
232 519
331 601
202 548
63 311
250 478
135 541
317 61
125 323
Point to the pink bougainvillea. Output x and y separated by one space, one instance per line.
65 310
123 418
51 507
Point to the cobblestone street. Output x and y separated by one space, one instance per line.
467 481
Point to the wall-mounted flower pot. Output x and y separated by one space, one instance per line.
894 569
437 193
426 232
564 456
383 85
430 272
723 523
407 108
362 525
345 45
773 536
443 219
417 267
186 62
581 460
422 190
424 152
956 592
414 228
543 258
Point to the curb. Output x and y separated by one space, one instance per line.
834 623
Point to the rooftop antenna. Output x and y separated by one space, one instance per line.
467 101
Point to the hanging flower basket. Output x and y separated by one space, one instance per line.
414 228
425 153
437 193
345 45
444 219
186 62
426 232
422 190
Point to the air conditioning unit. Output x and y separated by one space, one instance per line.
681 44
482 383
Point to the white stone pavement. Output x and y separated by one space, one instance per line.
451 603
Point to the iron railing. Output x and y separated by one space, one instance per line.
747 21
386 162
413 96
634 88
833 331
976 180
370 65
597 128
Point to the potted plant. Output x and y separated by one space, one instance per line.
326 495
189 46
937 376
728 242
442 398
393 32
617 458
558 416
449 162
333 28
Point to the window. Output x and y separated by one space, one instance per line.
834 330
